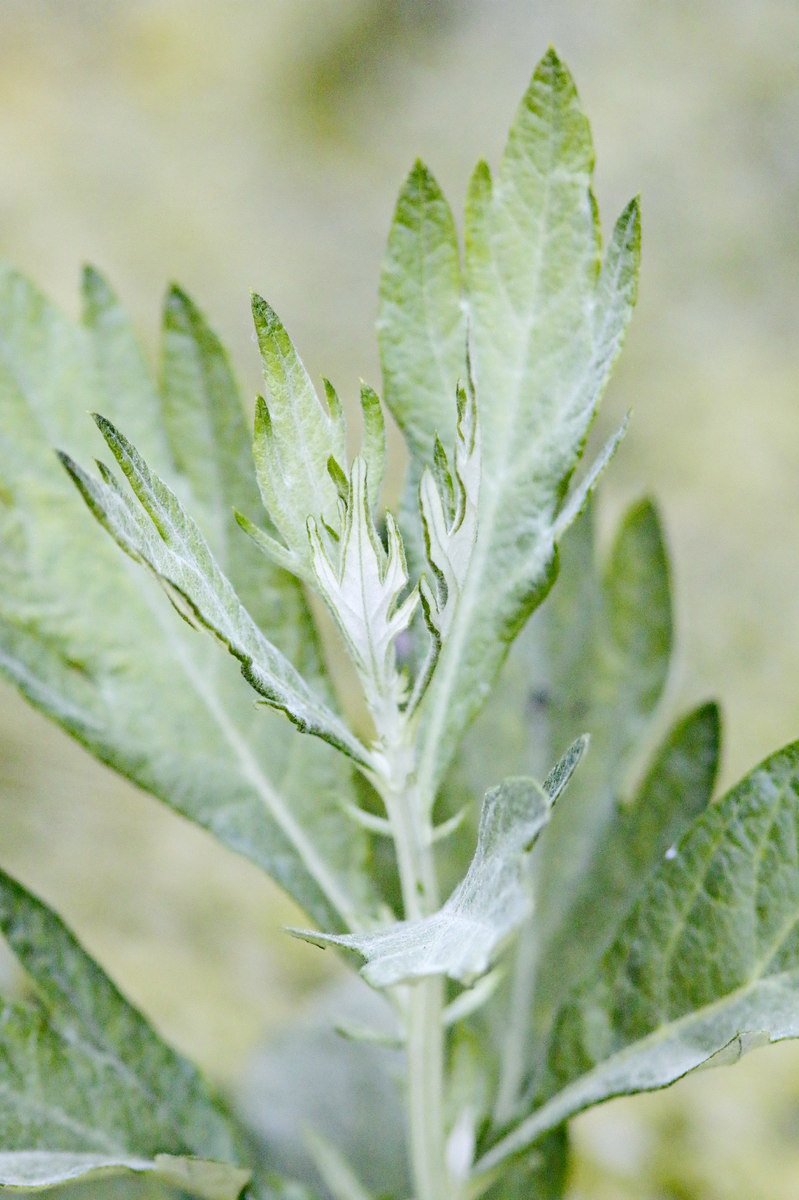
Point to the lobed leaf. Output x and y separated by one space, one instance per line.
171 545
546 317
464 937
68 604
121 369
373 451
704 967
210 445
294 440
363 590
448 501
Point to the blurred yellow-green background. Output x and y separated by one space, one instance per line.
260 143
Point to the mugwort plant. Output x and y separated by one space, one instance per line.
534 934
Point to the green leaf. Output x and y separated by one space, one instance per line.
541 1173
85 1075
211 447
705 966
546 317
607 645
171 545
373 451
196 433
465 936
448 501
595 657
676 789
294 439
362 591
421 325
33 1170
122 371
69 602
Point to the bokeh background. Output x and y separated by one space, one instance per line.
260 143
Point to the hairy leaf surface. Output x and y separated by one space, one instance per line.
33 1170
464 937
705 966
676 788
69 602
546 316
606 655
295 438
421 324
362 590
594 657
171 545
85 1075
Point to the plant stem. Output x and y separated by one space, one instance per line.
424 999
425 1034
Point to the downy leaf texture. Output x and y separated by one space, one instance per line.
36 1170
464 937
546 314
363 590
704 967
295 439
171 545
676 788
88 1087
448 501
602 660
594 657
160 705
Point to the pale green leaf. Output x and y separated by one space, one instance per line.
171 545
69 601
448 501
362 590
578 499
421 324
196 435
594 657
211 447
373 450
122 371
294 439
605 658
203 419
465 936
33 1170
546 318
704 967
676 788
84 1073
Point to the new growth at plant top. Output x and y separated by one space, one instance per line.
536 935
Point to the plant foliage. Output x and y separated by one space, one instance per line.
576 936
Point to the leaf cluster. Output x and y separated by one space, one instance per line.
589 926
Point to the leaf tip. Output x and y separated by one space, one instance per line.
177 302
